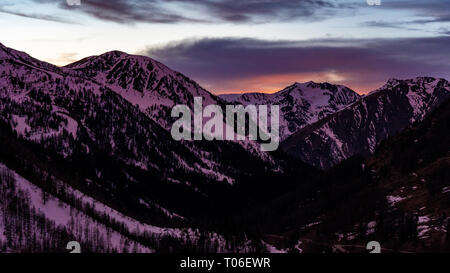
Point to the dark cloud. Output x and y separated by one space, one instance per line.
174 11
261 10
129 11
219 62
122 11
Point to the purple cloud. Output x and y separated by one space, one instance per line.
235 11
360 63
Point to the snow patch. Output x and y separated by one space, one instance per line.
394 200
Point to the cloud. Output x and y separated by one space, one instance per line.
429 8
407 25
37 16
422 13
386 24
129 11
261 10
430 11
175 11
227 63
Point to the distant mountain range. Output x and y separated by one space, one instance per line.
302 103
94 137
323 124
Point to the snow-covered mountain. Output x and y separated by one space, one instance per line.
84 98
85 155
301 103
95 131
150 85
359 128
142 81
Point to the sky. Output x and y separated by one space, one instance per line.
233 46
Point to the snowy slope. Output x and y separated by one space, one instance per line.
87 229
74 221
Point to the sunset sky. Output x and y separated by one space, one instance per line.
241 46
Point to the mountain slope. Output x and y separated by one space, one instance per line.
410 172
399 197
58 124
359 128
301 103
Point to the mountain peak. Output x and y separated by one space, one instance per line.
423 81
109 59
7 53
142 81
312 88
13 52
116 52
4 51
301 103
303 83
123 55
